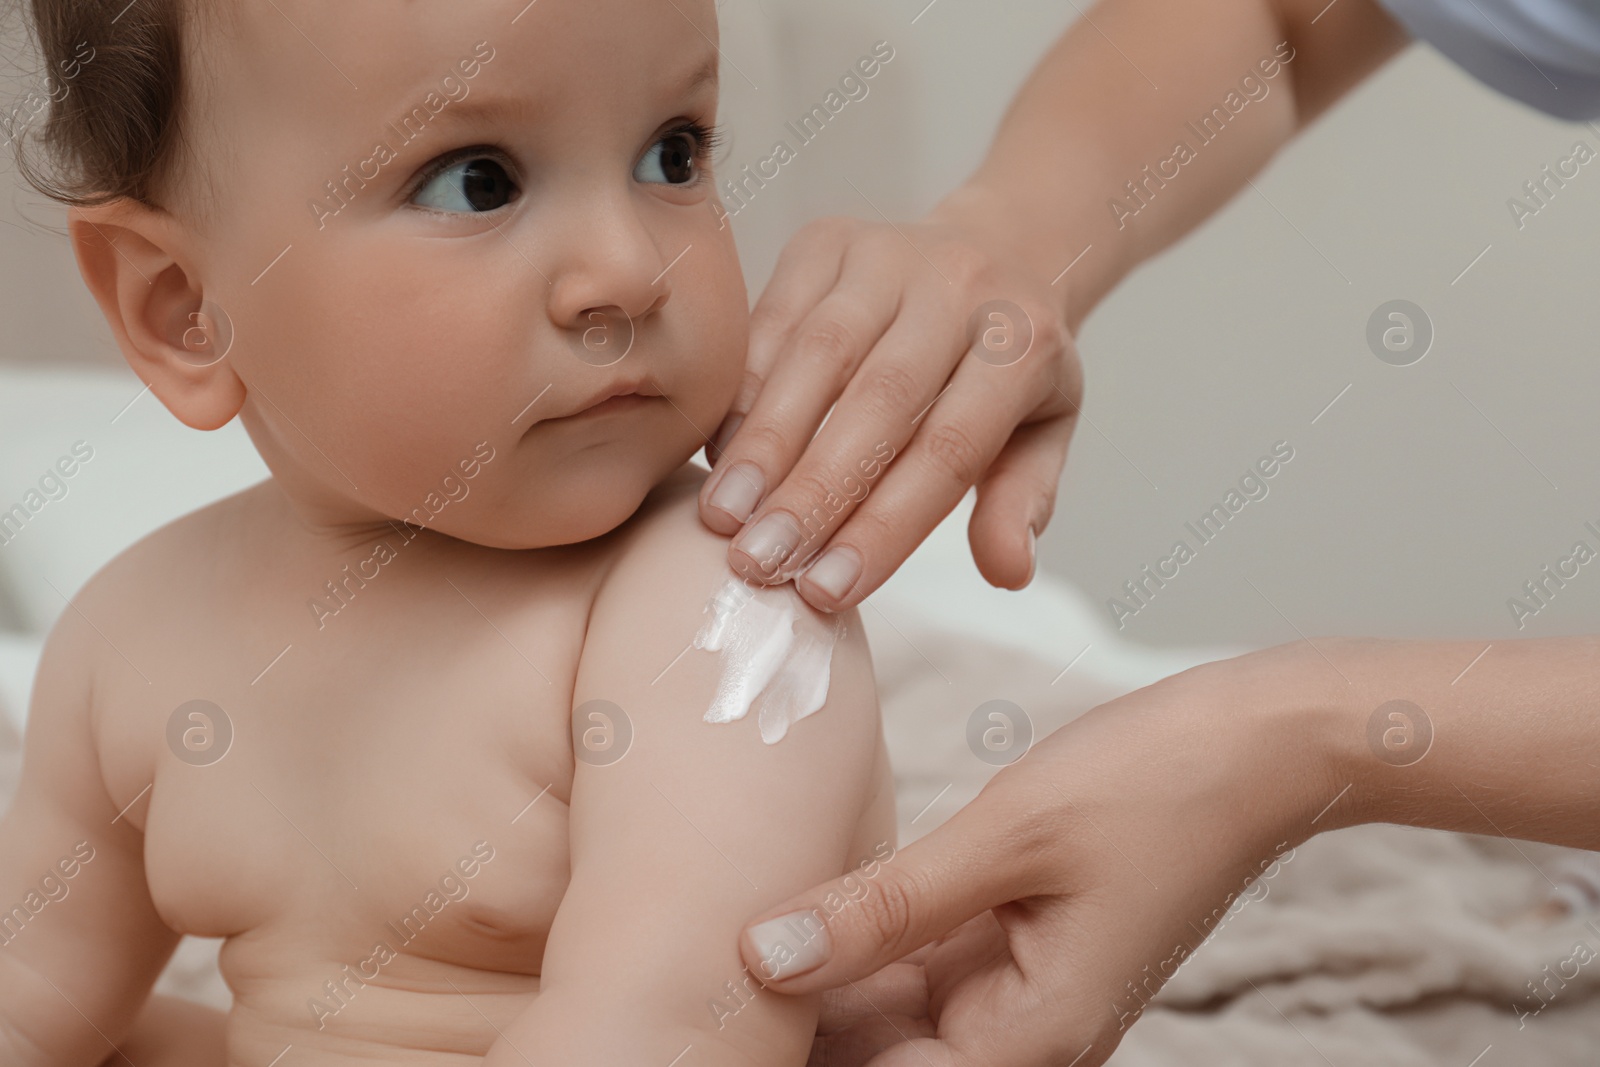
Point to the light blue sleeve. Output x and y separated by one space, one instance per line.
1545 53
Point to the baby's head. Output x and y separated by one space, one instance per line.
395 238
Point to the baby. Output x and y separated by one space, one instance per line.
457 729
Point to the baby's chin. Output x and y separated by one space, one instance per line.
561 511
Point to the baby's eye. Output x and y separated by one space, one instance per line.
475 184
671 160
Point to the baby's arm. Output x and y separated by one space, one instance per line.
80 941
697 827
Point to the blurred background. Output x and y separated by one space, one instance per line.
1417 504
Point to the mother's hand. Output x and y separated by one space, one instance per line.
1082 875
861 1019
944 352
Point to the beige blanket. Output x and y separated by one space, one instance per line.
1378 946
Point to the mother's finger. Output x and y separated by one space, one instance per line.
898 989
955 441
860 1043
817 362
872 421
807 270
986 854
974 945
1016 499
1007 1022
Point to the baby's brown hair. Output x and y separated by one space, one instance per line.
114 78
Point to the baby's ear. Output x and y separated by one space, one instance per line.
134 259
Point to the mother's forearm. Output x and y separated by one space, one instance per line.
1487 737
1148 115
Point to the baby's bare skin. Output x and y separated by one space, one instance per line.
423 733
410 337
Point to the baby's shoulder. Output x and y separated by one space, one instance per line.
675 634
168 564
667 565
666 527
668 574
166 596
112 629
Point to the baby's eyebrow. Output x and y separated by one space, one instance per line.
480 108
701 75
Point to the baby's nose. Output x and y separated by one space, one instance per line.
616 263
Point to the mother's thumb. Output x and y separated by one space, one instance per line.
853 926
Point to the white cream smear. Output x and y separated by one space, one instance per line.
769 651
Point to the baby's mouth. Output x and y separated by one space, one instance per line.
615 405
619 398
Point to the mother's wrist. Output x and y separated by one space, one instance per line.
1328 695
1295 713
997 220
1056 232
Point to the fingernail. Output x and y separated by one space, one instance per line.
792 944
739 490
835 573
729 428
1033 553
770 542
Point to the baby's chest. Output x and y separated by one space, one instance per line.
423 810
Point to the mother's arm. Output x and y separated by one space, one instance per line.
878 317
1108 851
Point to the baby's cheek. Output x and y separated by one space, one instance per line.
402 349
724 338
380 401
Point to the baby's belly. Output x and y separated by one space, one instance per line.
391 912
436 952
413 1010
